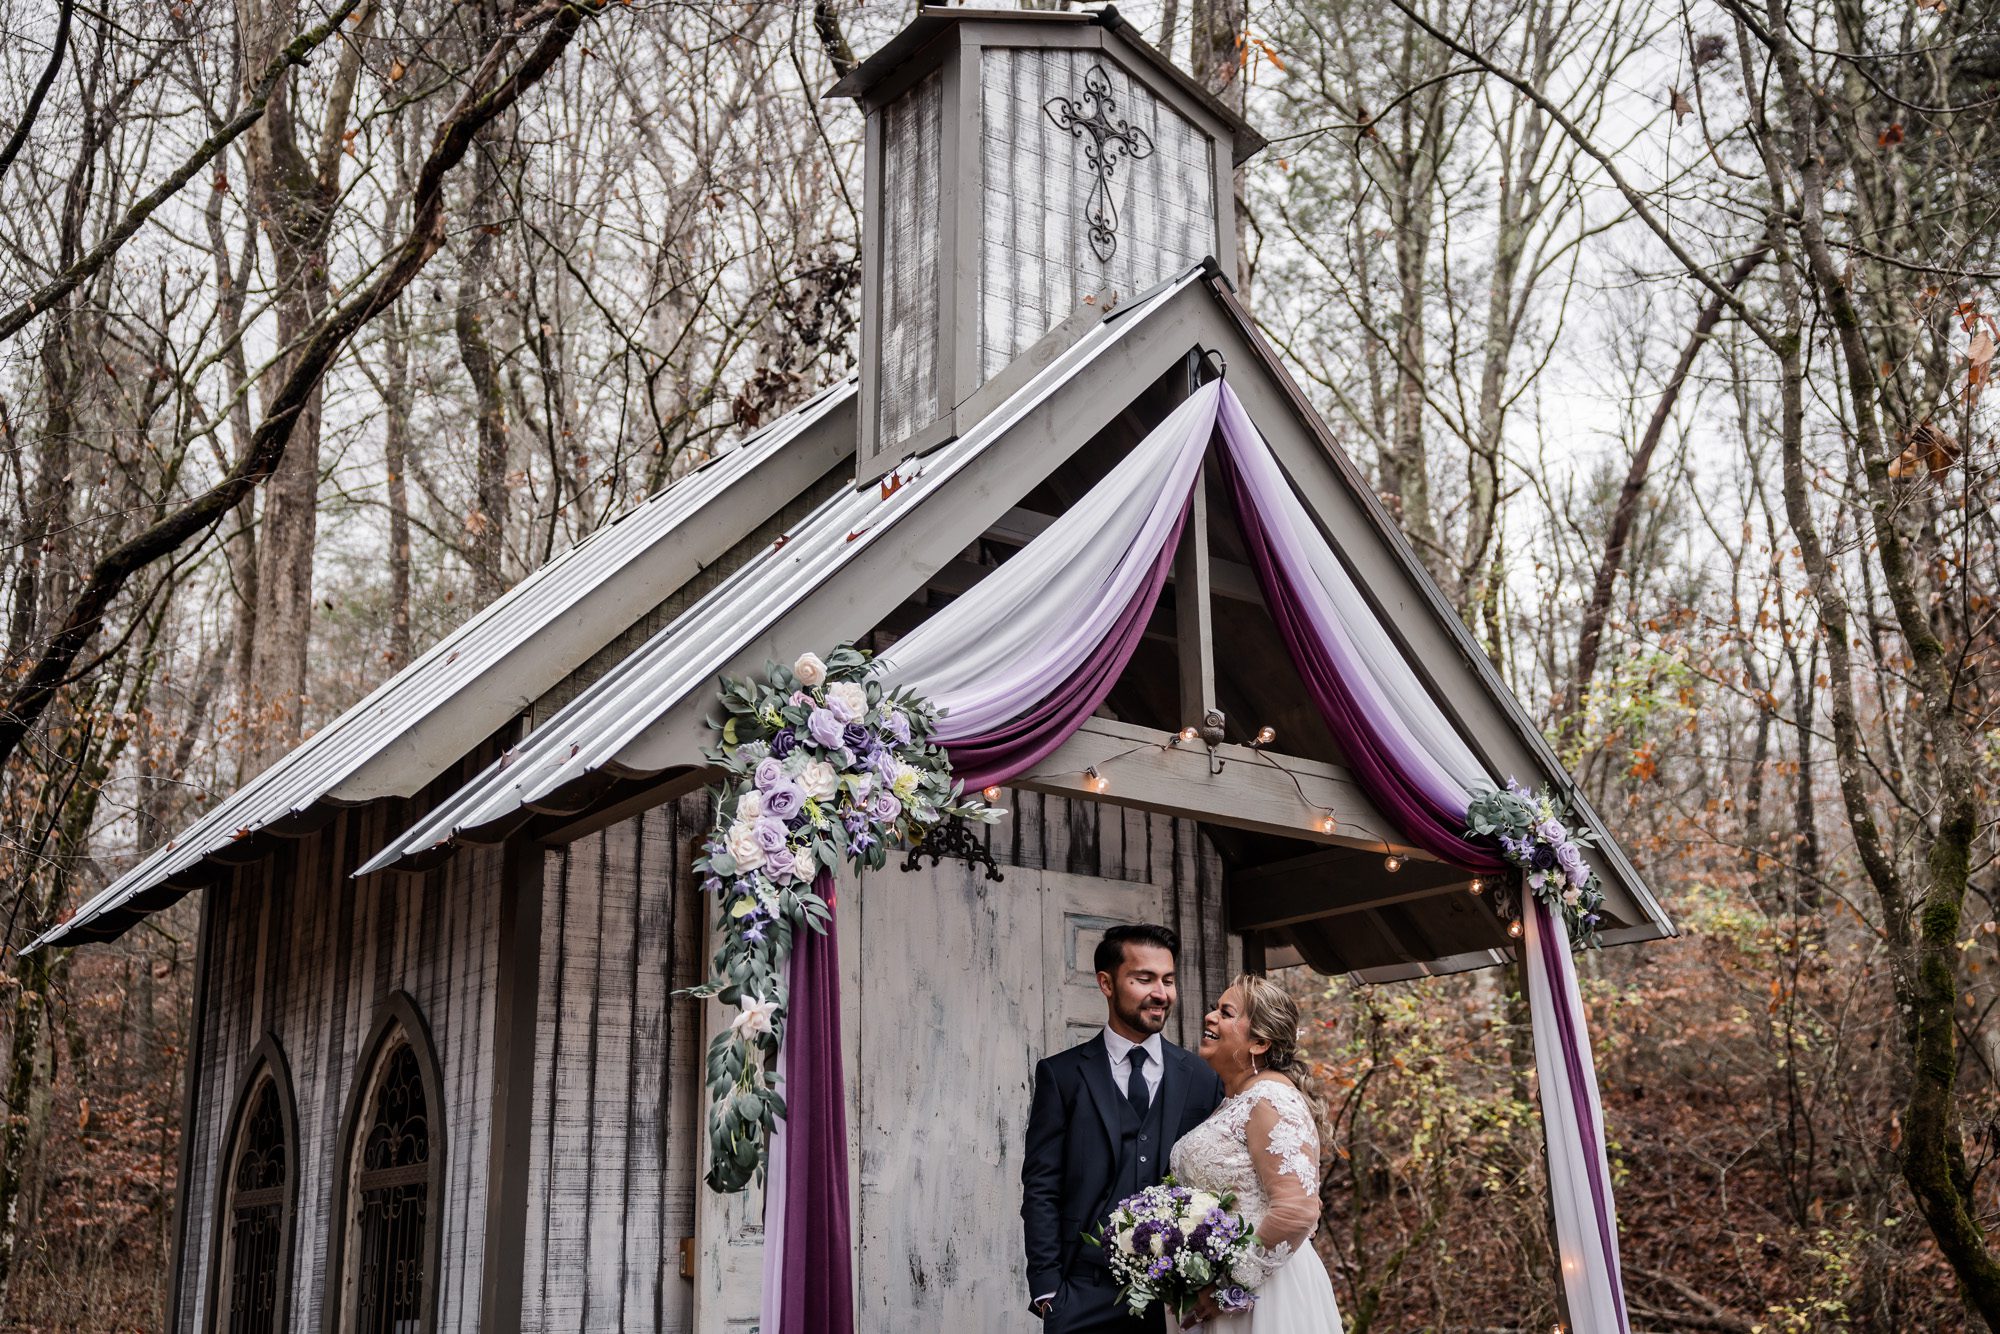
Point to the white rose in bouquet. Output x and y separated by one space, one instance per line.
749 806
849 699
810 671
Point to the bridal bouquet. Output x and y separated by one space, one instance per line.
1170 1242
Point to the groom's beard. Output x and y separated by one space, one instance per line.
1149 1020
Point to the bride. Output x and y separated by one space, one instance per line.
1262 1145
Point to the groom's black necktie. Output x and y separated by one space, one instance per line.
1135 1087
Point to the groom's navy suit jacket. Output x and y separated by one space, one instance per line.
1075 1138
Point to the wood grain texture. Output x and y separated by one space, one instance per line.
308 955
616 1117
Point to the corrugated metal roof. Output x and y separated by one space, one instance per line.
347 760
588 735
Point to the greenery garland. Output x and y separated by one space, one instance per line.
1537 833
821 765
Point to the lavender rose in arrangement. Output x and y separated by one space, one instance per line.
1170 1243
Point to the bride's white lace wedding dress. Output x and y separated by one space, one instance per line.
1262 1146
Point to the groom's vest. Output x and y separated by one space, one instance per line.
1142 1156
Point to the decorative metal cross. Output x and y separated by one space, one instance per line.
1108 141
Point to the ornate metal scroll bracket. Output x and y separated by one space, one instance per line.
1108 141
953 839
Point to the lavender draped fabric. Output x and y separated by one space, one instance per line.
1016 747
808 1273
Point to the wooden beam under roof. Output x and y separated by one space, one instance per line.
1332 882
1149 769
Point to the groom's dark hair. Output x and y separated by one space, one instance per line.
1111 949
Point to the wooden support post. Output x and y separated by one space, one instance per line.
1194 625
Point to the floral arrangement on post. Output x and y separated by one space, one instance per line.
1535 833
820 764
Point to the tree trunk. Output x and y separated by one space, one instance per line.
471 323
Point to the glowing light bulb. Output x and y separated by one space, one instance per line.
1477 886
990 793
1514 928
1265 736
1097 781
1190 734
1392 863
1327 824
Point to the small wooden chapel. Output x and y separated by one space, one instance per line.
439 1077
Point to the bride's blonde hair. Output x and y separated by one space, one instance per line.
1273 1016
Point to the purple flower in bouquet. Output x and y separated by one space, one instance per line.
800 700
784 799
854 821
1517 849
1551 831
884 765
711 884
885 808
754 932
856 736
1543 857
861 842
770 833
769 774
825 728
1229 1299
780 863
784 743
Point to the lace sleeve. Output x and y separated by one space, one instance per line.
1284 1151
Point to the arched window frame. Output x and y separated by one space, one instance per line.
400 1021
267 1061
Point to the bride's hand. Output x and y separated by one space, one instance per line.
1204 1309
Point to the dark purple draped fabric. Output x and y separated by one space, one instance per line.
1017 746
818 1258
1435 829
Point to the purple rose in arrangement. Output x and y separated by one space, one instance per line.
768 775
1230 1299
825 728
856 736
885 767
1552 831
897 725
1570 857
885 808
1542 857
784 799
784 743
770 833
780 863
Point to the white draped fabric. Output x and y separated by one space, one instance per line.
995 652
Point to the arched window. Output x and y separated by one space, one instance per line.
386 1237
253 1247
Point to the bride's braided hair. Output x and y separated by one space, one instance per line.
1273 1017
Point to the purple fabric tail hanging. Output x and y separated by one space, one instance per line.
817 1279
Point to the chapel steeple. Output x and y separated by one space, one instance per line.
1021 167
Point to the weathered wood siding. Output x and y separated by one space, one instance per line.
303 952
617 1080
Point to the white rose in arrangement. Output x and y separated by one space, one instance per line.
1125 1242
743 846
905 785
1572 897
803 865
851 697
750 805
810 671
757 1020
1201 1202
820 780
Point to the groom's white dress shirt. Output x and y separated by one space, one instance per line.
1120 1048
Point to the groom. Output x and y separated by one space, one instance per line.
1105 1116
